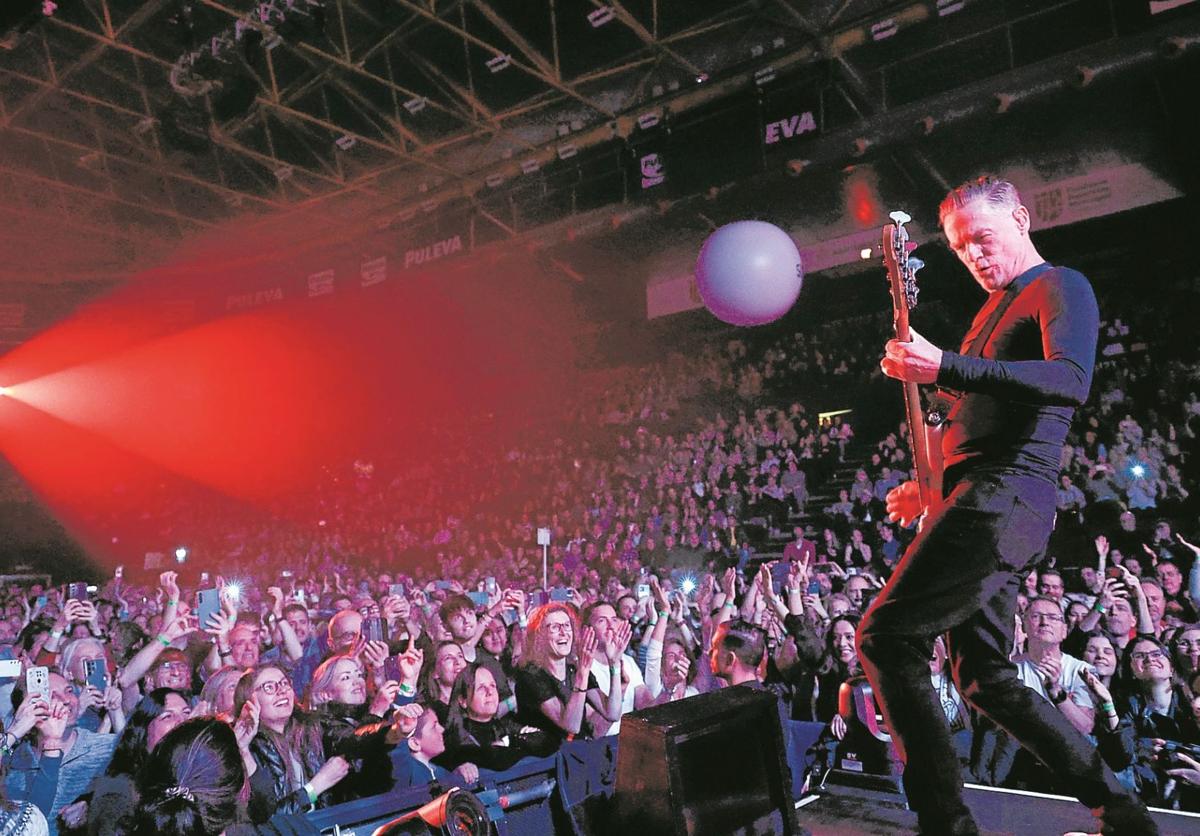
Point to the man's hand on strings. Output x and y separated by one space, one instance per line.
917 361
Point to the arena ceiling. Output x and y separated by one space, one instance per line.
127 126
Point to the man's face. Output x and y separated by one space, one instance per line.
1119 617
1128 523
1170 577
462 623
854 590
1044 622
173 671
990 240
604 621
1051 586
300 624
344 630
1154 601
243 646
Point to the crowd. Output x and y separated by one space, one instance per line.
392 625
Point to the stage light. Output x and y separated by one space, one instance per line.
3 391
688 585
1138 471
181 554
865 253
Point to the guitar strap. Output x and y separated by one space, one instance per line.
941 401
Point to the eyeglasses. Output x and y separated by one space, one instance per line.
1045 616
275 686
552 627
174 666
1146 656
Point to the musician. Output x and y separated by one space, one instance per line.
1025 364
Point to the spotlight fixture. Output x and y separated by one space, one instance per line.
346 142
499 62
416 105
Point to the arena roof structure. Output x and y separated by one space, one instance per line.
128 126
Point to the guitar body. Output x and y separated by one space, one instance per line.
926 439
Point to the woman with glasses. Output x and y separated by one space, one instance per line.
556 691
287 754
1158 709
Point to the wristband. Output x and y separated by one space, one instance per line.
56 634
172 603
1099 607
406 690
312 794
664 614
580 690
1061 698
164 641
1108 708
224 651
730 605
795 590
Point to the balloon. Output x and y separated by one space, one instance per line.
749 273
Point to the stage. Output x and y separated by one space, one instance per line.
849 812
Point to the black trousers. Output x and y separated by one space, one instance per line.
960 578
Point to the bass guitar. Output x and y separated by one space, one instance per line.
923 430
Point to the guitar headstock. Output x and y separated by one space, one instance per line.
901 267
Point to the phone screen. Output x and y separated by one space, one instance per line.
208 603
374 630
97 674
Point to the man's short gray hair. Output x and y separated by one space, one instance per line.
996 191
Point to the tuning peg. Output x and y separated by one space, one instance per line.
915 264
900 216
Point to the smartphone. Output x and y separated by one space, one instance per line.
203 578
120 573
479 599
509 617
37 682
852 571
396 589
643 590
560 593
441 585
10 668
40 602
1114 572
374 629
96 672
814 588
391 669
208 604
77 591
489 586
301 596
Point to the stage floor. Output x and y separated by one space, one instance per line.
847 812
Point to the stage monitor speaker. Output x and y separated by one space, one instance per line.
709 765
